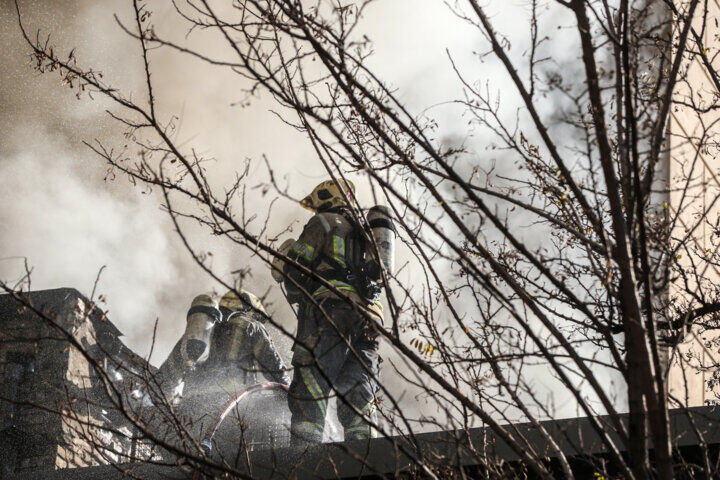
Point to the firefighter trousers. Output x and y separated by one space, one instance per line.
321 359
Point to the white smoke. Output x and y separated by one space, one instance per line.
57 210
68 229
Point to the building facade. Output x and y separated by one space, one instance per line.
694 181
51 399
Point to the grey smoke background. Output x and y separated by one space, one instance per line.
57 210
62 215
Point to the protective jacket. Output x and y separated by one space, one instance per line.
239 348
332 245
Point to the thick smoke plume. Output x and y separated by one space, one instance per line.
61 213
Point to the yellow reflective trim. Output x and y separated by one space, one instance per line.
367 410
360 433
309 428
237 339
304 250
314 389
311 425
339 250
338 285
310 382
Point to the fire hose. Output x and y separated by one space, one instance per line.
206 443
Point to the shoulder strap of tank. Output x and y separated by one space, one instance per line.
355 242
341 259
323 221
320 257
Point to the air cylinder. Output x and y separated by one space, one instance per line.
201 318
384 233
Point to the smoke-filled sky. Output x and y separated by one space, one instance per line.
60 213
58 210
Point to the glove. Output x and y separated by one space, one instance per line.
278 264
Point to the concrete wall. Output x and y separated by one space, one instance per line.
694 175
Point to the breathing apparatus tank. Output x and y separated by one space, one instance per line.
201 318
384 233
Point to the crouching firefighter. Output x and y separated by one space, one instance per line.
223 349
336 247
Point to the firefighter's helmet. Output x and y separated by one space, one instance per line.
231 303
327 195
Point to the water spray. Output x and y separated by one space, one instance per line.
206 442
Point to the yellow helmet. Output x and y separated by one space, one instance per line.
328 195
246 302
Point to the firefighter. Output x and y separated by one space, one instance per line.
223 348
337 248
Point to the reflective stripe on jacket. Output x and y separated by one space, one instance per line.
330 246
